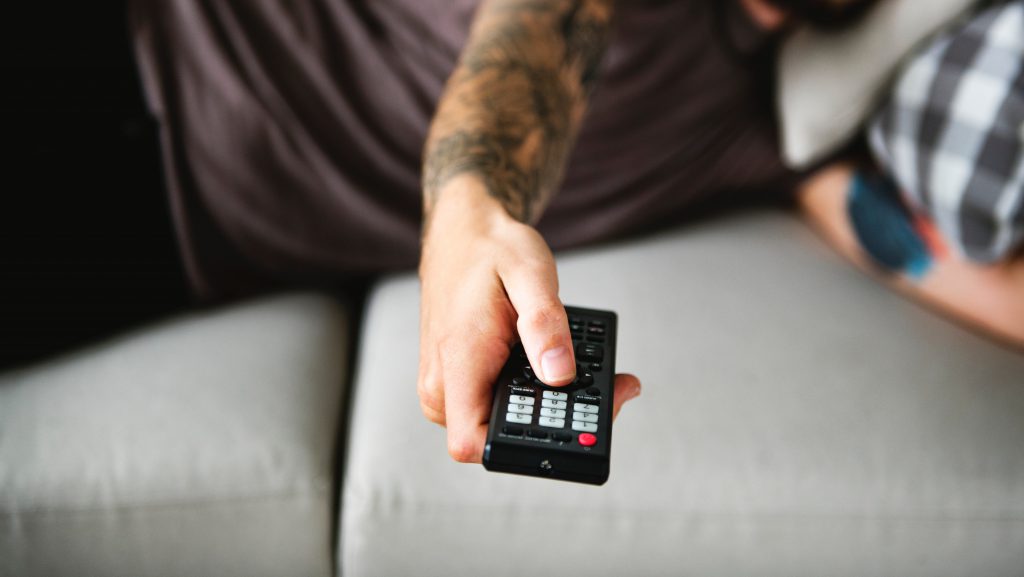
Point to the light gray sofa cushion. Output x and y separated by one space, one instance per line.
202 446
797 419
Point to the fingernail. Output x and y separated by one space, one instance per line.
557 364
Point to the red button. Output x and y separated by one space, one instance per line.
587 440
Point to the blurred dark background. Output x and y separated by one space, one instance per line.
87 246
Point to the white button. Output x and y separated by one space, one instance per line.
585 408
556 396
524 409
521 419
584 417
521 400
554 404
554 423
556 413
585 427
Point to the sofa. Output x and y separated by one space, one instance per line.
797 418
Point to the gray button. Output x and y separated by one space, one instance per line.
585 408
584 417
524 409
548 403
521 419
521 400
554 423
585 427
556 396
556 413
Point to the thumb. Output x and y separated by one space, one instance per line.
543 324
627 387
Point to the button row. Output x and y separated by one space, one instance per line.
538 434
553 412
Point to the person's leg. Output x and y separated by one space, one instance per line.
989 298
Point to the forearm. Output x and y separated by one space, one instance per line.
512 108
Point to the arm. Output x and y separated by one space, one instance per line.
987 298
513 107
494 158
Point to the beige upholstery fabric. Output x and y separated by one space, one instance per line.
828 83
798 419
202 446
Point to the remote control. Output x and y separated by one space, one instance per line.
557 432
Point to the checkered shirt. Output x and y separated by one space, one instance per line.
951 133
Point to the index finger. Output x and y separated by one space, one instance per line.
470 367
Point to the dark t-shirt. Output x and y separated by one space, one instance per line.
293 130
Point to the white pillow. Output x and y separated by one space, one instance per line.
829 82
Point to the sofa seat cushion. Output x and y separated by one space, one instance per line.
797 419
201 446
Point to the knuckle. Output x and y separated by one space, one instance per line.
461 450
429 396
432 414
546 317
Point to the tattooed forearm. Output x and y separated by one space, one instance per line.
512 108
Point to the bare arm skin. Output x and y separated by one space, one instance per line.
493 160
513 107
989 299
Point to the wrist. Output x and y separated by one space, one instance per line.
463 205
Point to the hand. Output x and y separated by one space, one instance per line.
484 276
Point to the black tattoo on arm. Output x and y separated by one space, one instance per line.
512 108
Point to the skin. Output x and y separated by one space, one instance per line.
494 158
989 299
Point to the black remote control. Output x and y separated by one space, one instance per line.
558 432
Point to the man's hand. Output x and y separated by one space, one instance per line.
494 157
485 277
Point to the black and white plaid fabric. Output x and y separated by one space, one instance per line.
952 133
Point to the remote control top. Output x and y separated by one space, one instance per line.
558 432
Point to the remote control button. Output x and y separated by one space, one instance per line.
521 400
520 419
528 372
561 437
555 413
596 367
549 404
595 330
587 440
597 323
590 352
514 431
585 408
556 395
576 327
575 321
584 417
581 426
586 379
519 382
521 409
594 392
536 434
554 423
